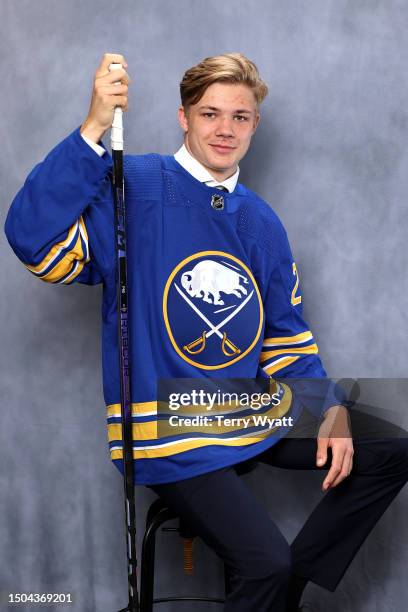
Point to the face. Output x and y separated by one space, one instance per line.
218 129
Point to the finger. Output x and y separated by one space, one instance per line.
321 455
113 89
110 58
351 458
112 76
110 101
342 455
345 470
121 101
335 468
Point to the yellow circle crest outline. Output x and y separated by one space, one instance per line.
166 318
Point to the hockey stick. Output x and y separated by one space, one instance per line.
124 353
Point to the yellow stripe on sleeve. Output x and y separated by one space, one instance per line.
279 364
304 350
74 260
297 339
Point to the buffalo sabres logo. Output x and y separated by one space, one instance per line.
212 309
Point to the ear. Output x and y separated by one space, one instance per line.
182 117
256 122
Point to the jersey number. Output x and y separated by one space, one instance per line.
295 299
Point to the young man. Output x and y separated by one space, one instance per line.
214 292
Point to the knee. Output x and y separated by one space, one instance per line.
277 565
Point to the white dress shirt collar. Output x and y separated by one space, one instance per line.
197 170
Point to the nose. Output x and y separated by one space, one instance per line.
225 127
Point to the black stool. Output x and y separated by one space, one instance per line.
158 514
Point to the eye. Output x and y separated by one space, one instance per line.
209 115
241 118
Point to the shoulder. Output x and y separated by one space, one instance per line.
146 163
259 219
144 172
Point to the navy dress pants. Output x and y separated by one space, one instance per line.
232 521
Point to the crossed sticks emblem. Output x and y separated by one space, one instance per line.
198 345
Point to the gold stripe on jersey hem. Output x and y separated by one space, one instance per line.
148 430
149 453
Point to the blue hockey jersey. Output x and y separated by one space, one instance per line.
212 293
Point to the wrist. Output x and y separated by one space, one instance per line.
334 409
91 131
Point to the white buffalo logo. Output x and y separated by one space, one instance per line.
209 278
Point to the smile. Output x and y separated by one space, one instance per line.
222 148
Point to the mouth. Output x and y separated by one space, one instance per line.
223 149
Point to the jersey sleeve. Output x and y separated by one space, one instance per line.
289 348
60 223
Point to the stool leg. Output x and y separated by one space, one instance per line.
148 557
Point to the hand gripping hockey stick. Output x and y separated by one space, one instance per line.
124 352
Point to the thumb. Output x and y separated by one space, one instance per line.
321 455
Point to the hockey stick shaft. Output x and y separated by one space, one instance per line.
124 353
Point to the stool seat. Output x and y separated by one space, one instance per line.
157 514
157 506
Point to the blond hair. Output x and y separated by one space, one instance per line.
227 68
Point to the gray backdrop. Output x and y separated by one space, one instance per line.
330 157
